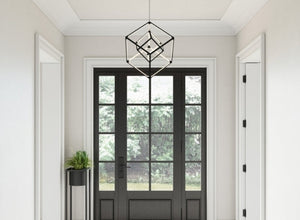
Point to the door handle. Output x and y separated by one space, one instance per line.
121 166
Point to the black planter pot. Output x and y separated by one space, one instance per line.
78 177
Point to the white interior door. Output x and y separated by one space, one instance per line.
253 142
51 144
51 137
49 131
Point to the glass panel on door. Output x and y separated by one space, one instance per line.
150 133
193 133
106 133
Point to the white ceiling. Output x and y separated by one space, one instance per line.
160 9
179 17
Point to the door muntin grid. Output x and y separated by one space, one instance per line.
192 132
150 103
106 133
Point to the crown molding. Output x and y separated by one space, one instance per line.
122 28
238 14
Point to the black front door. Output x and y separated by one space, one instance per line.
150 144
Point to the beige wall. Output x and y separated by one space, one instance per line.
280 20
223 48
19 20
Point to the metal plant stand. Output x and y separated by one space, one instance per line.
78 178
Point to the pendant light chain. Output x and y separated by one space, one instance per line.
149 9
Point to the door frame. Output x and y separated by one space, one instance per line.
253 53
45 52
88 126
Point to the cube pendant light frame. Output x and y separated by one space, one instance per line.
149 47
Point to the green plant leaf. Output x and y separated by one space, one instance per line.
80 160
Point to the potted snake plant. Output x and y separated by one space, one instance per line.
77 167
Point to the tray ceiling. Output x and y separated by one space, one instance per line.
160 9
179 17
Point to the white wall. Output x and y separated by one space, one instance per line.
19 20
223 48
280 20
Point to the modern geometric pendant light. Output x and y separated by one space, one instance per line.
149 48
